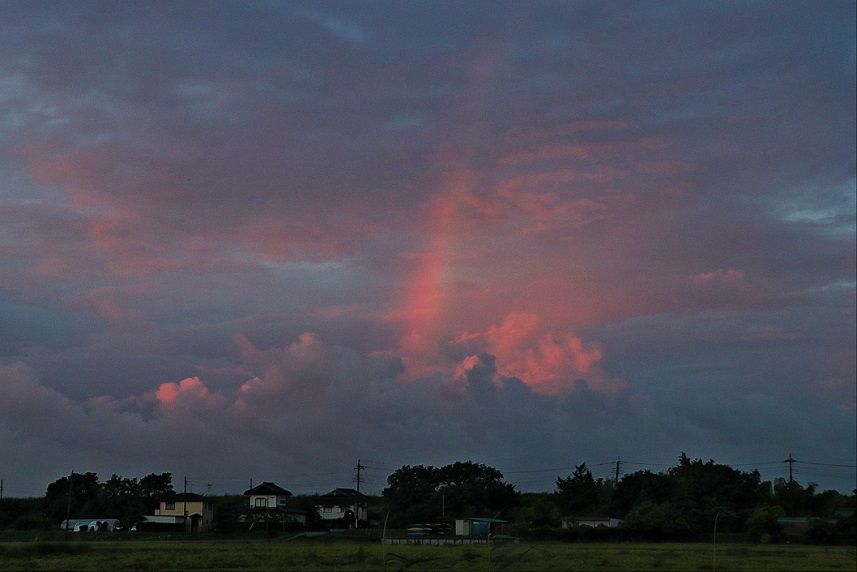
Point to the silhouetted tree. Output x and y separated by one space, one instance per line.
419 492
579 493
84 495
638 487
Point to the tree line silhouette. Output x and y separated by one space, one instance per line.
680 502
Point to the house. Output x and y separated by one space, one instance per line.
267 495
479 527
590 521
268 502
346 504
191 511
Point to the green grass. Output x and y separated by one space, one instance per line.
301 555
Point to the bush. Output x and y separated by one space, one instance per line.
32 521
820 531
656 521
762 524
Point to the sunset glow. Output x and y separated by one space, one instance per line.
527 234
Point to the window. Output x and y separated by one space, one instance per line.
261 502
170 505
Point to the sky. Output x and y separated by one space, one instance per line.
267 239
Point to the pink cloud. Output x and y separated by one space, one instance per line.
189 390
724 275
547 361
294 368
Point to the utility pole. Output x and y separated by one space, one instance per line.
791 463
618 467
359 468
184 505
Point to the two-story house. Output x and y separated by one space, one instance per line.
345 504
268 503
267 495
194 511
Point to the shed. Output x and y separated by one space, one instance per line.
477 526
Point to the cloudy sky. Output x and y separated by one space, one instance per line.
263 240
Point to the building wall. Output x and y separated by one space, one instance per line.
334 512
270 501
181 508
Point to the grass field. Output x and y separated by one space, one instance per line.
345 555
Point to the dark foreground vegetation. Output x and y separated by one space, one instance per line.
682 503
281 554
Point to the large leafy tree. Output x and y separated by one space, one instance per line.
579 493
638 487
82 495
77 492
706 489
464 488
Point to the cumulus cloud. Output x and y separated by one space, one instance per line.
476 232
549 362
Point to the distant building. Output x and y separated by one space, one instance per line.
267 495
478 527
268 502
90 524
193 512
345 504
590 521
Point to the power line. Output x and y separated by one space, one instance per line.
827 464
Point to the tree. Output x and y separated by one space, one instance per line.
579 492
474 488
762 524
653 520
638 487
411 493
795 499
154 487
705 489
82 498
125 498
419 492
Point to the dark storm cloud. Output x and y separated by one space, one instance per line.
534 231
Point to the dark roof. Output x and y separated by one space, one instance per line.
347 496
268 488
